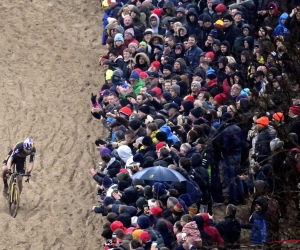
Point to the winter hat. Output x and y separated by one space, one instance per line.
228 17
157 12
167 96
211 74
278 117
133 45
186 147
220 8
187 199
190 97
220 98
122 185
224 60
106 182
105 151
117 225
141 202
206 18
148 192
295 110
173 105
125 111
196 112
138 158
178 208
159 145
143 75
168 67
238 13
176 88
145 109
198 84
123 170
159 189
135 124
226 116
276 144
245 91
111 20
148 31
118 37
156 64
143 222
145 237
143 43
156 211
210 54
135 234
108 200
161 136
147 141
262 121
130 31
157 91
148 162
135 76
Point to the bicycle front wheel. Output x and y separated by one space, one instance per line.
13 199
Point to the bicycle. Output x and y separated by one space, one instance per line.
13 194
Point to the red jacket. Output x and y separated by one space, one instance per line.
212 231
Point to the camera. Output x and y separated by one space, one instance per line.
183 236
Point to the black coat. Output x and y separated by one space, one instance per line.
231 33
229 229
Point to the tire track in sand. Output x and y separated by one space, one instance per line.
49 68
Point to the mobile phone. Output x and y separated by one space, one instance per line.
146 208
115 111
114 238
183 236
154 244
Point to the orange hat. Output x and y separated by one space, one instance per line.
278 116
262 121
136 233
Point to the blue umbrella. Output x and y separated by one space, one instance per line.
158 173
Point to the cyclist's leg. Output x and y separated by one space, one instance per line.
3 175
20 168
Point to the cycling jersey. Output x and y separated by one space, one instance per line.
19 155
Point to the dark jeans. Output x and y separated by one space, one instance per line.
216 186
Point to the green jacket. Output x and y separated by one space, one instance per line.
136 88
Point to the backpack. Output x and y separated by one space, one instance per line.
273 213
193 189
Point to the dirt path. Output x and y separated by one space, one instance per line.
49 52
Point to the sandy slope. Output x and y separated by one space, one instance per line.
49 52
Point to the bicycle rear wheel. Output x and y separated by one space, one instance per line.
13 199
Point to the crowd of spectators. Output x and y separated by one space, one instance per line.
208 89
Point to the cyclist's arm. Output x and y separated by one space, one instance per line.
9 163
31 161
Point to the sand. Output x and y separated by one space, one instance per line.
49 67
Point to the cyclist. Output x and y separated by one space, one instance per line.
18 156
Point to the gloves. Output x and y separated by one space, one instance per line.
93 98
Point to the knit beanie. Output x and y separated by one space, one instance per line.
178 208
168 67
118 37
196 112
125 111
220 98
135 124
228 17
156 64
190 97
198 84
135 234
122 176
210 54
262 121
220 8
278 117
161 136
135 76
130 31
145 110
147 141
186 147
176 88
133 45
106 182
167 96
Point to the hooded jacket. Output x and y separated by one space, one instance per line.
145 66
280 29
192 27
166 129
212 231
156 29
271 20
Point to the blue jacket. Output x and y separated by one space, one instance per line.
259 228
193 54
231 139
105 23
280 29
165 128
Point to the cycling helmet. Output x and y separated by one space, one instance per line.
28 143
